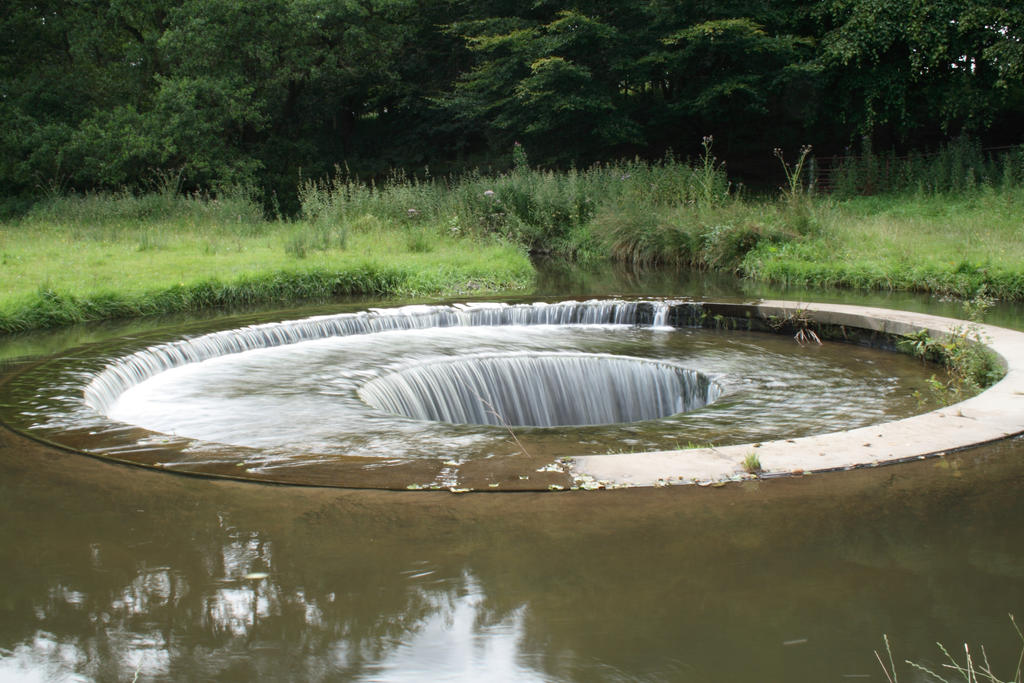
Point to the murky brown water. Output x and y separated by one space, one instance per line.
111 573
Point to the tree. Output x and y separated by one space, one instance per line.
907 66
63 64
551 84
732 77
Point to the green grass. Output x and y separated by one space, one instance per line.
79 259
949 224
950 245
714 237
752 464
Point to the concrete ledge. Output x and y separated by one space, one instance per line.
996 413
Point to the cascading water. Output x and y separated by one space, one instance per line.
104 389
548 390
305 400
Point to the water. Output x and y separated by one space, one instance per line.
523 389
112 572
124 372
109 570
311 400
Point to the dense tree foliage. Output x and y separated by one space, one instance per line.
104 95
913 67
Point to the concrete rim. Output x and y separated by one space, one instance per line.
997 413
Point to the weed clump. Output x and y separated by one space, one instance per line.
970 366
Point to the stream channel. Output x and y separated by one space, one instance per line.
119 573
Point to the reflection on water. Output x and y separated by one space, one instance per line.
112 573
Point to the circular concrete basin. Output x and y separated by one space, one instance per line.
997 413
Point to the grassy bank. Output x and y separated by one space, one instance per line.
949 224
75 259
942 244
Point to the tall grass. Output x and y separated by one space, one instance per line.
84 258
671 211
228 209
970 667
547 212
958 167
941 244
947 223
714 238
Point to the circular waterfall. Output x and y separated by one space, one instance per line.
540 390
477 395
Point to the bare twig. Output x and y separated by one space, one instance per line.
494 411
